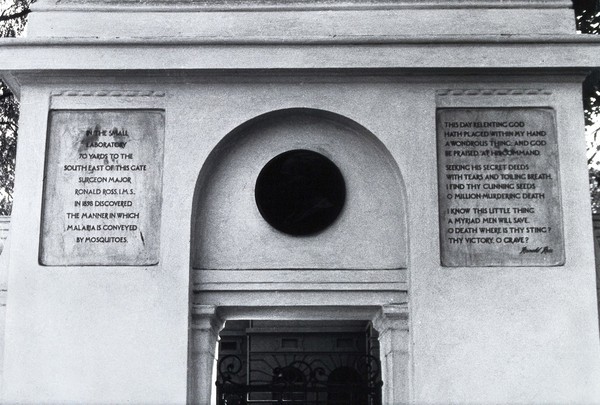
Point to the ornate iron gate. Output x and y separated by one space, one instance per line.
307 379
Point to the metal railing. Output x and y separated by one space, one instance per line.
306 381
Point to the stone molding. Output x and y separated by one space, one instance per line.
214 283
298 312
276 5
391 318
493 92
486 40
108 93
392 324
206 318
29 57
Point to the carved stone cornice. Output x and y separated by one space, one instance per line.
568 55
224 5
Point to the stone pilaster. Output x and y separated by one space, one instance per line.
392 324
205 326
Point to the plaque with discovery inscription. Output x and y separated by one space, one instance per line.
103 188
499 188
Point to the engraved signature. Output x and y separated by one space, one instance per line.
544 250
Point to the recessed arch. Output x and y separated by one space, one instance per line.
228 231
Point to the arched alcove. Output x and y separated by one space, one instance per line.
228 231
245 269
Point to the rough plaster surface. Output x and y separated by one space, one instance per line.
495 335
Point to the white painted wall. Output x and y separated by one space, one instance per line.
116 334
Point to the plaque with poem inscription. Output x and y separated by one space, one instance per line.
103 188
499 189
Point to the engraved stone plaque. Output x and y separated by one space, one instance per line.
103 188
499 189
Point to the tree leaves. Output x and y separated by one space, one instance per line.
588 22
13 19
9 117
587 14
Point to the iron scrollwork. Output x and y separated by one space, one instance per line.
302 379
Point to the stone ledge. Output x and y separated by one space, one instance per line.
309 40
108 93
236 5
281 298
576 53
493 92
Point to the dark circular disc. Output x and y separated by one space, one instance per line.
300 192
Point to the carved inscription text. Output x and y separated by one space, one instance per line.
499 194
103 188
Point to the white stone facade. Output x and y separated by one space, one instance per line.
369 77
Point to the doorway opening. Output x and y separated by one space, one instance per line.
298 362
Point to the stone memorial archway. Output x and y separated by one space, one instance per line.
136 219
354 269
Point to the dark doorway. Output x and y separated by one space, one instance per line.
337 383
308 363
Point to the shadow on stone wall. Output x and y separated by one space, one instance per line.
596 221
